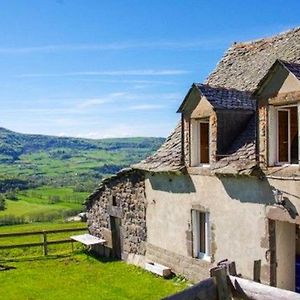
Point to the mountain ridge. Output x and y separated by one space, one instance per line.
67 161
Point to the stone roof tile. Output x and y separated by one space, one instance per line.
167 157
222 98
293 68
245 64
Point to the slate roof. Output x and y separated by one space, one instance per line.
222 98
241 68
245 64
167 157
292 67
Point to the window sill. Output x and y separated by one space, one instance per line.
205 257
285 164
201 166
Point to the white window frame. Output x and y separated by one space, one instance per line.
273 135
196 235
195 143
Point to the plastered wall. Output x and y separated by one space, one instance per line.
237 217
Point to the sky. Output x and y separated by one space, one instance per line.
117 68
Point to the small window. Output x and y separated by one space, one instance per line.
201 238
114 200
199 142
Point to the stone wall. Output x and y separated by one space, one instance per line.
262 132
192 268
121 196
186 139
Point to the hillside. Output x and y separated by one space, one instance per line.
36 160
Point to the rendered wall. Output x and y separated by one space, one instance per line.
239 229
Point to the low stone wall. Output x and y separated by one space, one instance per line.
121 196
191 268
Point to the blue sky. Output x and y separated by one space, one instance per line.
117 68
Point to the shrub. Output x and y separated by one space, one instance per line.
11 195
52 199
2 202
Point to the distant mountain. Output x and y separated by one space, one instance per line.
42 159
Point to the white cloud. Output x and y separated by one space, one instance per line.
141 72
194 44
146 107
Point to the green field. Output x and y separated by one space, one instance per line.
80 276
42 204
72 274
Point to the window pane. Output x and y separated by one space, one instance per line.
283 136
204 143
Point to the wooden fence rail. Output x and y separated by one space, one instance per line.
44 242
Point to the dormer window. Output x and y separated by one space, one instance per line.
278 97
212 118
200 151
284 135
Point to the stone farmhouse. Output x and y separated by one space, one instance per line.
226 182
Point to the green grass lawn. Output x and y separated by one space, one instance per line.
80 276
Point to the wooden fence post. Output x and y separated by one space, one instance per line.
45 244
232 268
220 274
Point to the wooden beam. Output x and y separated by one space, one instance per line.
11 234
35 244
247 289
220 274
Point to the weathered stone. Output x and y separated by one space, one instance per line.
129 193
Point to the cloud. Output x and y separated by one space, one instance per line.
146 72
146 107
194 44
122 97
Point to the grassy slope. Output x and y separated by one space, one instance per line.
82 277
67 161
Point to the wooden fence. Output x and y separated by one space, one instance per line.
44 243
225 284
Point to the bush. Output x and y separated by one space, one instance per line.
11 195
11 220
2 202
52 199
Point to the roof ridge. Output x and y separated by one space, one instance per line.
266 39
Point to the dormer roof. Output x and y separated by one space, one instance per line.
278 66
294 68
222 98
